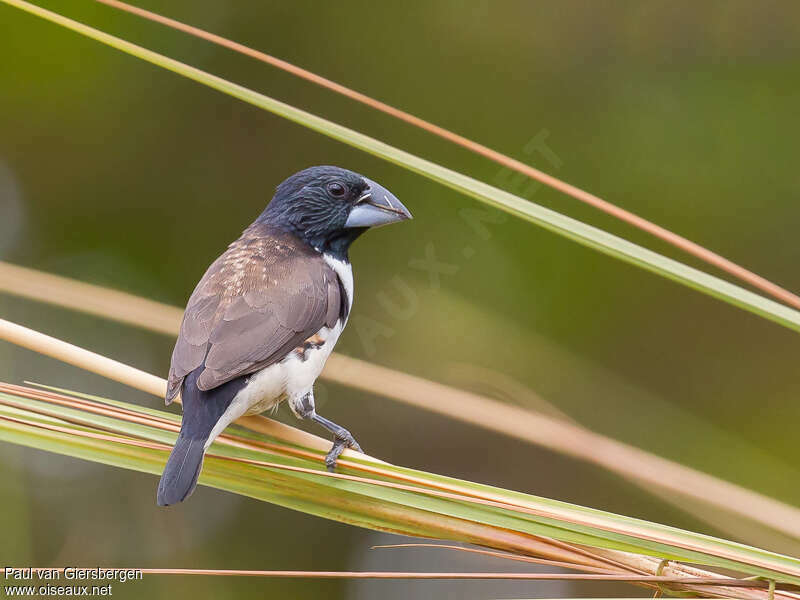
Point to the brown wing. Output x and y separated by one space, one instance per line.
262 298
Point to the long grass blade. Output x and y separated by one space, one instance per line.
573 229
676 240
376 495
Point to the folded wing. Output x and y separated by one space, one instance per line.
261 299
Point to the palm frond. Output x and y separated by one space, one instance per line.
373 494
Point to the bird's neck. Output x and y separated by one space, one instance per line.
336 244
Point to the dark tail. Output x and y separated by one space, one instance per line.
183 468
201 411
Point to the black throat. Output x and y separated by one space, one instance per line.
337 245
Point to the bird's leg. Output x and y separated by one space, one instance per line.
341 439
303 407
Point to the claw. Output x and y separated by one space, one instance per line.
339 444
341 439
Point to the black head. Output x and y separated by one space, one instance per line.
330 207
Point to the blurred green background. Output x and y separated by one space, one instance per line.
115 172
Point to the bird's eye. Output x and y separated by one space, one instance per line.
336 189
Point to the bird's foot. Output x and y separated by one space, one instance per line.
343 439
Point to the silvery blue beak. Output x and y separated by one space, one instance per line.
377 206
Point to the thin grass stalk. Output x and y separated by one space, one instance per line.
494 554
432 575
638 222
573 229
651 472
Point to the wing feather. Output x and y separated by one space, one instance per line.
262 298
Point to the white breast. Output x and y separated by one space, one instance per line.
345 272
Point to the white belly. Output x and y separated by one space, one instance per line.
293 377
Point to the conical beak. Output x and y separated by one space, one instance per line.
377 206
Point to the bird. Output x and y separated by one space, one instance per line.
266 314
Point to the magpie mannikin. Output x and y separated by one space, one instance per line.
261 323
